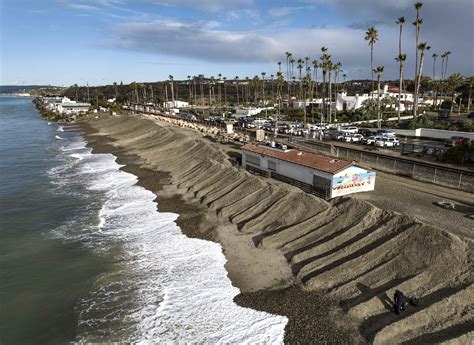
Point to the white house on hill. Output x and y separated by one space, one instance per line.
350 103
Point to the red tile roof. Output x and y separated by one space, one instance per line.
308 159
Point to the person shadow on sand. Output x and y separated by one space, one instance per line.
384 299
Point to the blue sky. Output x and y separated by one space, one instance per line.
62 42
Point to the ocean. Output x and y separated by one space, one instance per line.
85 256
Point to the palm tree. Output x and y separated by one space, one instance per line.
219 88
446 67
263 87
421 47
324 66
237 88
454 81
115 89
315 69
172 88
401 60
379 72
76 88
435 84
225 91
400 21
418 21
288 76
372 37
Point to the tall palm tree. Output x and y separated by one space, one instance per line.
446 61
288 76
435 84
237 88
324 66
115 89
400 21
219 88
401 60
421 47
225 91
434 56
263 86
379 71
172 88
372 36
76 88
190 89
418 21
315 69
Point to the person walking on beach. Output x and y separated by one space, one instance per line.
400 301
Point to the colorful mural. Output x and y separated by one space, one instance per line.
350 183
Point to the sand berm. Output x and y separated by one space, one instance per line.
331 267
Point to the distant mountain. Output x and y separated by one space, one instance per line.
16 88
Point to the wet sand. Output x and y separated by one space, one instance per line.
331 267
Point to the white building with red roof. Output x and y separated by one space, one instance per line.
325 176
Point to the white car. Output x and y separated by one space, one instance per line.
351 130
387 142
392 142
372 140
354 138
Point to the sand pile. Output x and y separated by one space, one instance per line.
354 251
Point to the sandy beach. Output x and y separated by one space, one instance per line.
331 267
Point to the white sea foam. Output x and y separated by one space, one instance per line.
60 129
58 137
165 287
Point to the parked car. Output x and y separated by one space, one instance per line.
392 142
365 132
371 140
341 135
455 141
351 130
385 133
354 138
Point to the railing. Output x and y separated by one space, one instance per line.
462 179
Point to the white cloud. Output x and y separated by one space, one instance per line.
285 11
204 5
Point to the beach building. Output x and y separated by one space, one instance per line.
321 175
175 104
350 103
245 112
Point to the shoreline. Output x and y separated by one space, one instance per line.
330 267
309 313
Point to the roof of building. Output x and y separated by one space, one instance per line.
308 159
395 89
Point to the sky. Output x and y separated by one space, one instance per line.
62 42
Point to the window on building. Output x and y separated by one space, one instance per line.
252 160
321 182
272 165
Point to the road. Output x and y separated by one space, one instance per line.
417 199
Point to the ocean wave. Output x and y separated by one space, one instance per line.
164 286
60 129
58 137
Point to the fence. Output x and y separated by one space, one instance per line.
422 171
